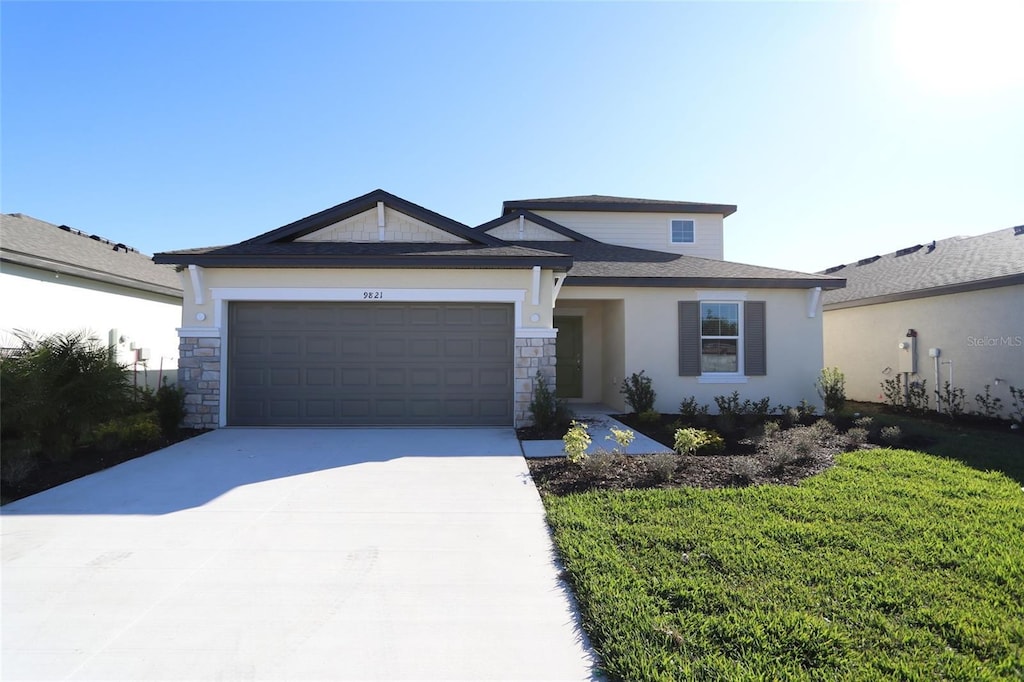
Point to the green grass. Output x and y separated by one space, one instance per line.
984 449
892 565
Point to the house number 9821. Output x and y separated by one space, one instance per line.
372 295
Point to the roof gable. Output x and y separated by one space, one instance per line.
941 267
601 202
535 228
374 226
368 202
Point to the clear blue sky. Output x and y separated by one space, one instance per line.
840 130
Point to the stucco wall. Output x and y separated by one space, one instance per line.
592 314
45 303
981 332
369 280
650 338
645 230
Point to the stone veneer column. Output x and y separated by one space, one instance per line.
199 375
531 355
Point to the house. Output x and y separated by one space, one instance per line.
378 311
54 279
951 310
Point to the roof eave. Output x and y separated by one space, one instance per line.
558 263
94 275
725 210
962 287
721 282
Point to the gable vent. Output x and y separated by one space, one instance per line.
1018 231
834 268
867 261
909 249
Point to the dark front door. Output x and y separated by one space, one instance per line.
569 357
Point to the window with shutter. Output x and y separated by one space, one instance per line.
722 338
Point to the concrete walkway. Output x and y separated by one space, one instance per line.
600 424
300 554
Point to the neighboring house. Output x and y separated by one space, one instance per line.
378 311
951 310
54 279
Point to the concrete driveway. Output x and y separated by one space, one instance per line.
301 554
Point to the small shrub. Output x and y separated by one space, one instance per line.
690 441
917 396
649 417
729 405
950 400
600 464
770 430
1017 404
891 435
822 430
793 417
855 438
991 407
169 402
689 409
662 466
863 423
548 410
576 441
639 393
806 410
892 389
622 438
744 469
134 429
831 387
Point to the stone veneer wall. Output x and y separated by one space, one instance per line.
199 376
531 355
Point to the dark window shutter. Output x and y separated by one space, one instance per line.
689 338
755 349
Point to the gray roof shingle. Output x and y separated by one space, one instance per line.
600 264
35 243
954 264
601 202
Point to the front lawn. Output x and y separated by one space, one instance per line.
892 564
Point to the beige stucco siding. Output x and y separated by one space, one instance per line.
981 332
532 232
645 230
365 227
648 329
303 283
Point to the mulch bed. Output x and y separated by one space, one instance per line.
84 461
557 476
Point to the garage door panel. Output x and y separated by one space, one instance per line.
355 377
285 377
320 376
370 363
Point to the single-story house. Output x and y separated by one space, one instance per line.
951 310
54 279
378 311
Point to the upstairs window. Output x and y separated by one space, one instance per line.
682 231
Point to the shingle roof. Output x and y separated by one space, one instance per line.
600 264
35 243
358 254
942 267
601 202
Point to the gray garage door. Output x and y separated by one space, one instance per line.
370 363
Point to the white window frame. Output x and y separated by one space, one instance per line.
723 377
671 233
